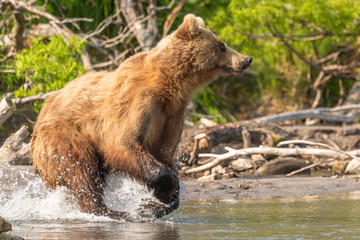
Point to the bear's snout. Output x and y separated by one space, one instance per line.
248 61
245 63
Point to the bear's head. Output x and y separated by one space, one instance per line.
207 53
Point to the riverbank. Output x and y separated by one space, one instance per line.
272 187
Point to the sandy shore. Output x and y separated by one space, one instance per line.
247 188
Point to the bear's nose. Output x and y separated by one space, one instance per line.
248 61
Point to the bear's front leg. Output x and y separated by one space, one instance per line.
160 179
165 186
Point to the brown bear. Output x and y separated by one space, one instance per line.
129 120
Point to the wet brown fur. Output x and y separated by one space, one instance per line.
129 120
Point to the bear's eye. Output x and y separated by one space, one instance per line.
222 47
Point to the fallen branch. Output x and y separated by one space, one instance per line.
307 167
318 113
40 96
344 130
6 109
232 153
218 158
285 152
260 133
316 144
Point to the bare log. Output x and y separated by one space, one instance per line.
40 96
307 167
318 113
5 110
344 130
280 166
283 152
16 149
317 144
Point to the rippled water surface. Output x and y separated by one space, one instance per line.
55 215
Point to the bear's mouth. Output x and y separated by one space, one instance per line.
238 71
231 72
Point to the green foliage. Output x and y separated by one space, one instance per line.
48 66
208 102
245 25
282 73
97 10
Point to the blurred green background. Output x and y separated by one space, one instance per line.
274 32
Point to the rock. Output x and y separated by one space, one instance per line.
226 176
204 122
4 225
9 236
242 164
209 178
339 166
257 157
207 172
353 166
218 169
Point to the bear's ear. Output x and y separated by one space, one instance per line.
190 27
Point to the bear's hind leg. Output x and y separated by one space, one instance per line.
73 163
87 180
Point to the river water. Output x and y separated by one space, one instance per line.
48 214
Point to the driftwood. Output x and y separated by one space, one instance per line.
16 149
232 153
280 166
24 100
345 130
323 153
7 110
318 113
307 167
205 150
258 133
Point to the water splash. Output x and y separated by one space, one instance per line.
24 197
